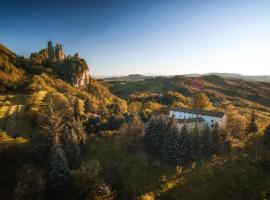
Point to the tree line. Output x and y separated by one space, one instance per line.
181 146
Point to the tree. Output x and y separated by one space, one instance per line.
154 135
78 128
87 105
201 102
76 109
115 121
252 127
267 136
234 119
169 98
195 142
206 142
170 145
50 122
145 115
87 184
135 132
72 149
218 140
59 175
184 145
95 124
30 185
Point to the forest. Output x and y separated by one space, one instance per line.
106 140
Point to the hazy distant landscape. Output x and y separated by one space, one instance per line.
179 126
139 77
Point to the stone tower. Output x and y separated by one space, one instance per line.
50 51
59 53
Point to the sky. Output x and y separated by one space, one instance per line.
151 37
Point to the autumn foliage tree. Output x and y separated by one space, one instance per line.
201 102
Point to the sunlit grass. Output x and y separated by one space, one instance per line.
6 140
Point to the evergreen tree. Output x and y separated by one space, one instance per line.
195 142
252 127
72 150
115 121
30 184
184 145
59 175
87 105
267 136
51 125
206 142
154 135
76 109
80 133
170 144
217 139
87 183
135 132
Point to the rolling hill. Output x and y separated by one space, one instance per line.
221 91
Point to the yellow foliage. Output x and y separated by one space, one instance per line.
148 196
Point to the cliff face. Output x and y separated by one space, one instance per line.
83 79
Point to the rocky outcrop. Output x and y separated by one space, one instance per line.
55 53
72 69
83 79
59 52
50 51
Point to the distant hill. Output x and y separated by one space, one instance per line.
140 77
131 77
263 78
221 91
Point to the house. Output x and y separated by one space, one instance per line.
203 117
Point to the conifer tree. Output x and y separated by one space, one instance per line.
206 142
216 138
87 105
170 148
154 135
59 175
135 132
51 125
76 109
195 142
72 149
80 133
252 127
184 145
267 136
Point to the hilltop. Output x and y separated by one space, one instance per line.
25 83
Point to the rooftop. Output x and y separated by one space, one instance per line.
200 112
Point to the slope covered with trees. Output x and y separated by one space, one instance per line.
62 140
